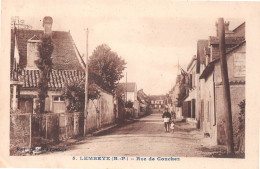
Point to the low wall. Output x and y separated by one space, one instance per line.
28 131
31 130
100 112
20 132
107 109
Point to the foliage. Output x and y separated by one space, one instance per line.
240 133
241 118
75 95
16 111
129 104
182 89
120 92
44 63
108 65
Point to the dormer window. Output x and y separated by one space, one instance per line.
32 52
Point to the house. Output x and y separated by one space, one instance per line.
144 102
157 101
181 88
169 101
191 105
213 96
191 98
130 90
68 66
212 114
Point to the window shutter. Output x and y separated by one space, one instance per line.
190 81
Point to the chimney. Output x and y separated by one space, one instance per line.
47 24
226 27
216 24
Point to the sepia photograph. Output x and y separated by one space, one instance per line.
127 88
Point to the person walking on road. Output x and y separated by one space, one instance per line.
166 119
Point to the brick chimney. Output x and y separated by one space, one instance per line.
227 31
226 26
47 25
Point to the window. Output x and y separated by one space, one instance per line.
58 99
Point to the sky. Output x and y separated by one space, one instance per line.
151 46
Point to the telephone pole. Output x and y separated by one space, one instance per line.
226 88
86 86
126 87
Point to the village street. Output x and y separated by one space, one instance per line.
145 137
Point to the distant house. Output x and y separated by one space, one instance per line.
144 102
130 94
190 111
180 93
157 101
68 66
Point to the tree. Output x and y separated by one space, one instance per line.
74 93
129 104
44 63
108 65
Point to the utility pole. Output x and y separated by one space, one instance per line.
86 87
126 87
226 89
178 66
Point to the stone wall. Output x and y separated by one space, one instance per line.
107 109
237 93
19 132
29 131
100 112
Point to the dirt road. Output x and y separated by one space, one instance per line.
145 137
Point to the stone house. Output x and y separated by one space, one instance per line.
67 66
211 96
213 115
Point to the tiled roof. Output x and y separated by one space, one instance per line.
64 55
130 87
58 78
210 67
157 97
240 30
228 40
142 95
